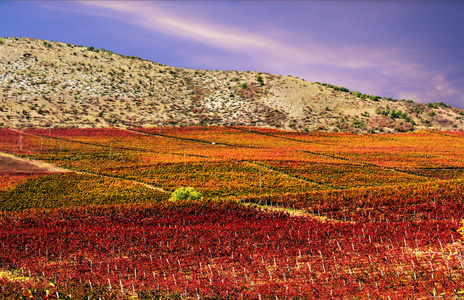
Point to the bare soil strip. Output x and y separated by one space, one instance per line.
122 178
276 170
295 212
12 164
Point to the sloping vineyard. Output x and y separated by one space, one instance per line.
220 251
285 215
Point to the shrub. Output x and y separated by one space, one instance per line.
185 193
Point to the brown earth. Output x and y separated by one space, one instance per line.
45 83
12 164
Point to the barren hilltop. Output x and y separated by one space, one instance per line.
47 83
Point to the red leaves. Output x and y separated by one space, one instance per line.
217 250
88 132
384 241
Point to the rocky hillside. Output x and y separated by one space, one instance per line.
47 83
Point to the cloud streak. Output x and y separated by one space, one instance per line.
286 50
236 39
156 19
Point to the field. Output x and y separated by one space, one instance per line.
284 215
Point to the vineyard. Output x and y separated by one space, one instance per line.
284 215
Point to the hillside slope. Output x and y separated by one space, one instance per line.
64 85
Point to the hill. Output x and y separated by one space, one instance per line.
44 82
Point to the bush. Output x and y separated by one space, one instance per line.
185 193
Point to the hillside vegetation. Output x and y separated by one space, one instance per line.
46 83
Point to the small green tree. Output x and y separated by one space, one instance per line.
1 41
185 193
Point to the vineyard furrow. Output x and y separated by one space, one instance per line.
330 217
273 169
125 179
113 147
274 136
189 139
367 164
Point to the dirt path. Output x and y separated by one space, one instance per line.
13 164
276 170
295 213
149 186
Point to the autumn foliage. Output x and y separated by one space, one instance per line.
284 215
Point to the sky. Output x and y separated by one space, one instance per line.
399 49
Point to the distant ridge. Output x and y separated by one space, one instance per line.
44 82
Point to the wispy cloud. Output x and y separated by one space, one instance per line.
240 40
286 50
152 17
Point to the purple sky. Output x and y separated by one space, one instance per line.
399 49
